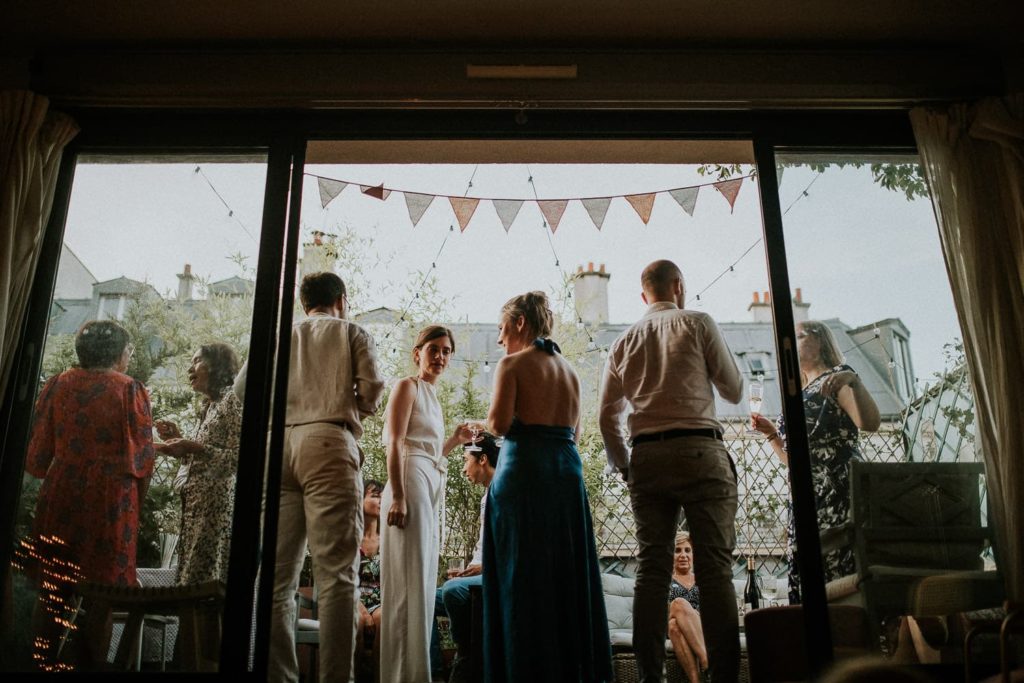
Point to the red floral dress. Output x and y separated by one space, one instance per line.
92 445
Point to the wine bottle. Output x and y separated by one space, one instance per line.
751 592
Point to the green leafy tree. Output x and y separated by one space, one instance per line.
896 177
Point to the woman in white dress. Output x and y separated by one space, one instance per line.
413 500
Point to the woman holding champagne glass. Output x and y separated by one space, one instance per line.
413 500
836 407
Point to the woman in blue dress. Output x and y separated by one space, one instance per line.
544 615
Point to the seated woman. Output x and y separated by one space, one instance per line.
684 629
367 636
211 457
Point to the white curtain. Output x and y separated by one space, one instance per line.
973 156
31 142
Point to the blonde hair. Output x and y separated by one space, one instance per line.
831 356
534 308
683 537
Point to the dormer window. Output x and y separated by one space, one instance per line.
111 307
755 364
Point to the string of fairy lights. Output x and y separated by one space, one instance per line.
390 338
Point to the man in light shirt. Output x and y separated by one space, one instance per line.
333 384
661 372
453 598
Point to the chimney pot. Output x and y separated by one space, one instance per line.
590 266
766 297
188 269
799 296
757 297
601 269
579 270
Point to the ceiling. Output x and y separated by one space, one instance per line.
32 26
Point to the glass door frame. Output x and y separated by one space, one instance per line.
282 136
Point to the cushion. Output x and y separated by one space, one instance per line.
618 603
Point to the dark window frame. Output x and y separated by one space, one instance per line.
282 135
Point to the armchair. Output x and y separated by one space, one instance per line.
918 536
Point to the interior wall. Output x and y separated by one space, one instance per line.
605 79
14 73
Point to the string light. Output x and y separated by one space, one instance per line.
732 266
231 212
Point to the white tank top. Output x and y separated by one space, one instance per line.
425 434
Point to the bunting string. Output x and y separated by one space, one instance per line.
433 266
552 209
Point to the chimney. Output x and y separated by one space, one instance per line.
185 284
761 311
800 308
590 290
318 255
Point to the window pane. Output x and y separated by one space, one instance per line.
412 252
893 452
149 321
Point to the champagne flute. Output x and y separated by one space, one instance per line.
756 400
475 426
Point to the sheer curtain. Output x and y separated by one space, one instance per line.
973 156
31 142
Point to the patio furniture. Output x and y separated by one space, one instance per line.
917 535
198 609
307 629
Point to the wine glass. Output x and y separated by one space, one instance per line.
475 426
756 399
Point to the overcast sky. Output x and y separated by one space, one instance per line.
859 252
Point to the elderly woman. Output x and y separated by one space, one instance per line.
211 457
836 407
92 445
539 554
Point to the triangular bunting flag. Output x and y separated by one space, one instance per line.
464 208
417 205
507 210
686 197
553 210
379 192
597 208
729 190
329 189
642 203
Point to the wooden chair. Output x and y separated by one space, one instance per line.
198 608
917 537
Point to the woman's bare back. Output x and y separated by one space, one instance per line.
547 389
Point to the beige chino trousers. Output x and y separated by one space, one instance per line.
322 504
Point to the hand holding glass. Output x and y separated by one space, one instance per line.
455 566
756 399
475 427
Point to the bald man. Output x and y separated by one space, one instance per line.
660 372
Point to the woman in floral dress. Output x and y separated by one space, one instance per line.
92 445
836 407
211 458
